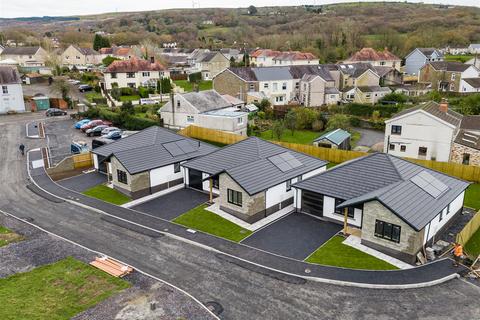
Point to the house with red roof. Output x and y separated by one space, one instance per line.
376 58
269 58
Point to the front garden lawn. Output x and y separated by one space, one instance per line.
107 194
335 253
459 57
472 247
472 196
91 96
129 98
56 291
7 236
188 86
299 136
206 221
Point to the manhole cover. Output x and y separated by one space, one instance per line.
215 307
308 270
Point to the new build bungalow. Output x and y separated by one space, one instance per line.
397 206
253 178
148 161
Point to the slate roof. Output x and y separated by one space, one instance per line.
471 123
474 82
281 73
469 139
9 75
134 65
429 51
145 150
370 54
272 73
321 70
385 178
86 51
205 101
432 107
449 66
374 89
355 69
248 164
245 73
336 136
22 51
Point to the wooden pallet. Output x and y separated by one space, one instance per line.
111 267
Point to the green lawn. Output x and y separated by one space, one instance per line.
206 221
188 86
56 291
473 245
129 98
335 253
460 58
93 95
299 136
7 236
331 165
107 194
472 196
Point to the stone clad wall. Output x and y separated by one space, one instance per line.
138 184
228 83
458 150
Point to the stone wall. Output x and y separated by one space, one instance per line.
458 150
138 185
228 83
410 240
253 207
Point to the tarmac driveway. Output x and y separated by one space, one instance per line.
173 204
84 181
370 137
295 236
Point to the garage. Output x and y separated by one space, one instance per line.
312 203
195 179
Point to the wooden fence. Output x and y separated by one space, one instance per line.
468 173
470 228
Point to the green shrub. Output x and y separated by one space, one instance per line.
136 123
195 77
143 92
127 91
354 121
318 125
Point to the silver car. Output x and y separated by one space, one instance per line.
109 129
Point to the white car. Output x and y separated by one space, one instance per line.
74 82
109 129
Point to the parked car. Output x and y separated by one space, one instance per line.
96 131
78 147
80 123
85 88
114 135
109 129
92 124
52 112
73 81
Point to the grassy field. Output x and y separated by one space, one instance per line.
299 136
129 98
7 236
188 86
107 194
472 196
459 58
56 291
335 253
206 221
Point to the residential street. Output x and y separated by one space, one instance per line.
243 292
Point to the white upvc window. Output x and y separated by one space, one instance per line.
190 119
4 89
145 74
240 121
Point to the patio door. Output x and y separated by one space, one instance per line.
312 203
195 179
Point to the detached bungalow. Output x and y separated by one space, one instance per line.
253 177
397 206
148 161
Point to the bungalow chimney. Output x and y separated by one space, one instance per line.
152 59
443 106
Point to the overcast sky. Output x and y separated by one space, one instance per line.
28 8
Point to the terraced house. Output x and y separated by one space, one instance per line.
395 206
447 76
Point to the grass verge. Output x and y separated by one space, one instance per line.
472 196
206 221
188 86
56 291
472 247
7 236
335 253
299 136
129 98
107 194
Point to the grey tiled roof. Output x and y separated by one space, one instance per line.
374 89
247 163
145 150
355 69
474 82
449 66
272 73
471 123
385 178
9 75
20 51
469 139
281 73
207 100
432 107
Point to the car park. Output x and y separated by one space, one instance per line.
93 124
114 135
85 88
52 112
80 123
109 129
96 131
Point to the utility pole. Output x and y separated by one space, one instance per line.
172 100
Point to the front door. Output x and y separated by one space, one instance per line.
312 203
195 179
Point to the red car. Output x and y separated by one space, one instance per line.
94 123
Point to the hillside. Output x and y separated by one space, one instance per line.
332 31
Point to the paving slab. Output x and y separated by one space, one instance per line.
84 181
173 204
295 236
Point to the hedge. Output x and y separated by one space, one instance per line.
127 122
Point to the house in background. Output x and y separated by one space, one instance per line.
206 109
11 94
314 90
389 76
474 48
270 58
336 139
376 58
446 76
475 61
121 52
468 85
25 56
253 178
397 206
419 57
230 53
466 146
148 161
79 57
134 73
210 64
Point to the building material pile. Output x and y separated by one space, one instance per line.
111 267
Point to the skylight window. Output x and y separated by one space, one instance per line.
429 184
179 147
285 161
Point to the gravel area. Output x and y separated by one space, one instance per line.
40 248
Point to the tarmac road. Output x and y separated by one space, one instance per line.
243 292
